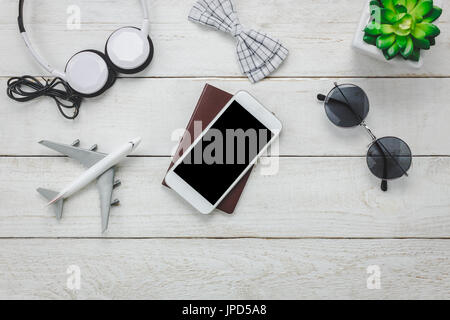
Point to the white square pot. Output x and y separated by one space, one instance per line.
373 51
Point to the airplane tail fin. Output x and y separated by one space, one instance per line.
57 203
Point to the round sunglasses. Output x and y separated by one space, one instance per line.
388 158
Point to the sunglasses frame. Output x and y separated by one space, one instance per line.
375 140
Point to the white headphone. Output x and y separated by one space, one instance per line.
90 72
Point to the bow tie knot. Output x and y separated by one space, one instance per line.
236 30
258 54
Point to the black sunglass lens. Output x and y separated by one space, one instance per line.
347 105
389 158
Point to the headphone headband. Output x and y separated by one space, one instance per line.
20 17
41 60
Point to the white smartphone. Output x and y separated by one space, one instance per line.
223 152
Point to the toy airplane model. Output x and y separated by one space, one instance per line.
100 166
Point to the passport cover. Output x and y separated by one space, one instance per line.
208 106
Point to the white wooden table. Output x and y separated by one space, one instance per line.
310 231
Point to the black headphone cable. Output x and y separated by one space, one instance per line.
27 88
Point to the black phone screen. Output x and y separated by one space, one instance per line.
224 152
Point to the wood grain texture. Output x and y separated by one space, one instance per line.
156 109
223 269
308 197
318 34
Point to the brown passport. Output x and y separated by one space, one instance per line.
208 106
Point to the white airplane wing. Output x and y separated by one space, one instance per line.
86 157
105 183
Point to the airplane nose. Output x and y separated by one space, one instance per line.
136 142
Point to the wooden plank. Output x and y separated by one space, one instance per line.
224 269
319 38
307 197
156 109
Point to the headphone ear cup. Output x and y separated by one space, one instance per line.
112 77
128 50
89 74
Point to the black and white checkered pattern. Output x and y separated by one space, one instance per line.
258 54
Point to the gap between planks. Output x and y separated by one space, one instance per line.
298 77
280 156
225 238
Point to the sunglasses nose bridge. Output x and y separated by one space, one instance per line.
369 132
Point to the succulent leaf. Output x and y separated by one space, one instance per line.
408 48
393 50
400 6
385 41
389 4
415 56
402 27
388 16
400 3
373 29
387 29
410 5
370 39
434 14
422 9
429 29
422 43
432 41
401 41
418 33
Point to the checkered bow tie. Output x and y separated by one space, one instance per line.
258 54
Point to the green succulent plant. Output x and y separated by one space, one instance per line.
402 27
